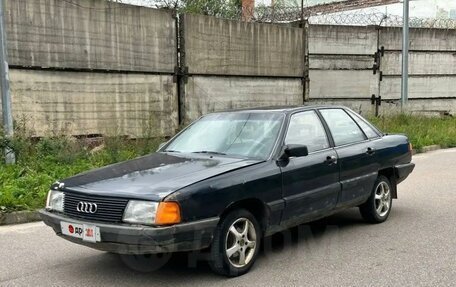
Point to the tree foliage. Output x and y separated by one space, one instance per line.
219 8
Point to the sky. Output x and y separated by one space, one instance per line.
418 8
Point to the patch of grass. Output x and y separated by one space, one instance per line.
24 186
421 130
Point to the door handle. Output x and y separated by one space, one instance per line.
331 160
370 151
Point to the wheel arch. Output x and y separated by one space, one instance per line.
391 175
255 206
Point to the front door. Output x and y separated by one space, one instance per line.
310 183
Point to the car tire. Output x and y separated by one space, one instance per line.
238 234
378 207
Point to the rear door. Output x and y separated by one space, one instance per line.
356 153
310 183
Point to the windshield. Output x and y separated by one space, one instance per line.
237 134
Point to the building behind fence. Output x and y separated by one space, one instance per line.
98 67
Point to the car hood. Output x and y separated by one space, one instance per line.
151 177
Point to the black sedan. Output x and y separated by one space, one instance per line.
231 178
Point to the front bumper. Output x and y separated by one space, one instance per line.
403 171
131 239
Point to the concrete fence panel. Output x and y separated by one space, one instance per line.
329 39
420 87
421 39
420 63
79 103
341 62
225 47
208 94
89 34
342 84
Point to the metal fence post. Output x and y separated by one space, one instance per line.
305 45
182 70
405 51
6 97
306 60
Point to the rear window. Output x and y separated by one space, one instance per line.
367 129
343 129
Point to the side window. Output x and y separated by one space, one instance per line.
367 129
343 129
305 128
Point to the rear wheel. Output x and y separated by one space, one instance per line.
236 244
378 207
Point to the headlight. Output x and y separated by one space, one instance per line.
148 212
141 212
55 200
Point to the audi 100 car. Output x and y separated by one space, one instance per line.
231 178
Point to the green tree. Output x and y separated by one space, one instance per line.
219 8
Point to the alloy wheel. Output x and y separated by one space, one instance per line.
382 198
241 242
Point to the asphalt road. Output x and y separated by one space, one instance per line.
416 246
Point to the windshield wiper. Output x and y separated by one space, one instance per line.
170 150
209 152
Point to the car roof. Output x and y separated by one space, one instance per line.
280 109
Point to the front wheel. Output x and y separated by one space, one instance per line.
236 244
378 207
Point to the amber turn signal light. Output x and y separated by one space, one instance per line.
410 147
168 212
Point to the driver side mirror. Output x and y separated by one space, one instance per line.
295 150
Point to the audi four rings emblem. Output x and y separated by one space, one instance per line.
86 207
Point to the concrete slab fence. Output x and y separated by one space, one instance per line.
358 62
232 64
97 67
92 67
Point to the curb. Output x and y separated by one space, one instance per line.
430 148
18 217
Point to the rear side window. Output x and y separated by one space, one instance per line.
305 128
343 129
367 129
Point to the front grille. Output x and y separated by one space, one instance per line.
110 209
